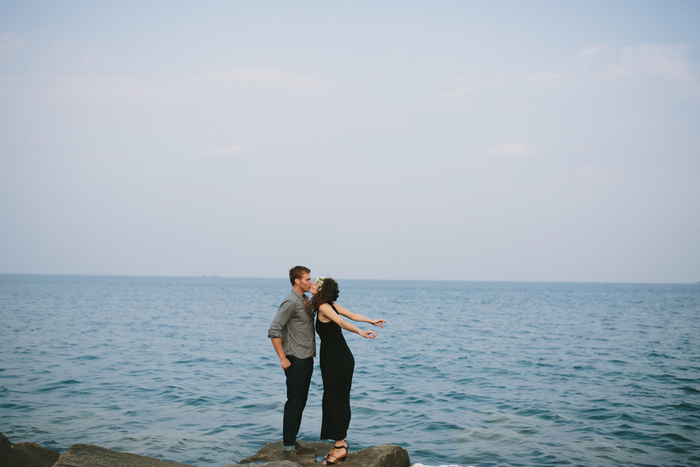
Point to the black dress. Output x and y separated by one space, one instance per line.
337 365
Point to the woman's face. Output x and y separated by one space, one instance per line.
314 289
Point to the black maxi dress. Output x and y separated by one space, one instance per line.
337 366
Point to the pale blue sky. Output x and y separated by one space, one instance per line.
525 141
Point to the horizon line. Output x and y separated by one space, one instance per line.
215 276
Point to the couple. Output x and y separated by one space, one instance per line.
292 334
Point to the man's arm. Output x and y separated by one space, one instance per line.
277 344
275 332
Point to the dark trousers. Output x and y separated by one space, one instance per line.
298 382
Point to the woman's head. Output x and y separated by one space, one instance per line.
328 292
317 285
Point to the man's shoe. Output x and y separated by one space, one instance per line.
303 450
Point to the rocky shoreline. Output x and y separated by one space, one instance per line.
270 455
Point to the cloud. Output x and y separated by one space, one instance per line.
666 61
592 51
228 151
510 149
544 77
95 89
461 91
455 91
110 90
10 42
269 77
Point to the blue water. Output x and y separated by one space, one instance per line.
465 373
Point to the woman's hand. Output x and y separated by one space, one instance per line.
368 334
378 322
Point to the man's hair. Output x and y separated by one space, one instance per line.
297 272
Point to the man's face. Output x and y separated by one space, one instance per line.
305 282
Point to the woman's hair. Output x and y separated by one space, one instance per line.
328 293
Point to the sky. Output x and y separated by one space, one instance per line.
453 140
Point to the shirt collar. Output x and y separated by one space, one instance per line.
299 295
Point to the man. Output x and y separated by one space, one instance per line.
292 334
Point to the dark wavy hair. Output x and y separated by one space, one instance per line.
328 293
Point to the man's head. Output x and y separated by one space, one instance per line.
300 277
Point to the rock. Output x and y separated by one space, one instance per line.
88 455
387 455
270 455
25 454
273 452
267 464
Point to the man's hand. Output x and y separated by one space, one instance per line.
277 344
285 363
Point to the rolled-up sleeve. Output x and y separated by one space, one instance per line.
284 314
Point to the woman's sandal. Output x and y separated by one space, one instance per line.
337 458
347 446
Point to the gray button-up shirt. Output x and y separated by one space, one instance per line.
296 328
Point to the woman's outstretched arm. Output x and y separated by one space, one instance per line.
327 311
359 318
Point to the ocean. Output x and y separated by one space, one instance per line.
464 373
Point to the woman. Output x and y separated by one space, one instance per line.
337 363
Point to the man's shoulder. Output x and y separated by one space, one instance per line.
292 298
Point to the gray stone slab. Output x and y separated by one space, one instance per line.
270 455
266 464
25 454
388 455
88 455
